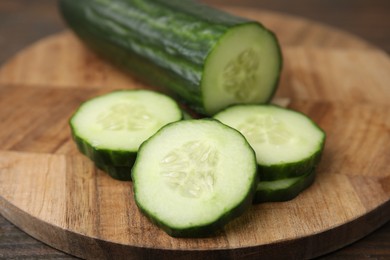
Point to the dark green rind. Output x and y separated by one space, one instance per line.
206 230
117 163
103 156
198 231
272 191
122 173
290 170
164 43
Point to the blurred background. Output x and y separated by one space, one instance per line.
25 21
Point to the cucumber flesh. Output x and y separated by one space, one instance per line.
194 176
243 68
110 128
283 189
287 143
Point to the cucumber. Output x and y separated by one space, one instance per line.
287 143
283 189
207 58
122 173
110 128
194 176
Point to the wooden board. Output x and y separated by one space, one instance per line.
55 194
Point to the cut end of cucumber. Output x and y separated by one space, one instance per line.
243 68
240 75
192 176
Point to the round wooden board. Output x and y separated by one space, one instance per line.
51 191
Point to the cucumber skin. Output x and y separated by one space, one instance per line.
207 230
117 164
122 173
153 54
268 195
104 156
290 170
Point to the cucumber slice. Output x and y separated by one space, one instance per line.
194 176
283 189
287 143
110 128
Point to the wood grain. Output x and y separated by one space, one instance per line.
53 193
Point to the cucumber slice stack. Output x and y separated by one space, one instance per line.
194 176
283 189
287 143
110 128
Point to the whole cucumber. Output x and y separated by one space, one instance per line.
208 58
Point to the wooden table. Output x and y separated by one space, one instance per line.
23 22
